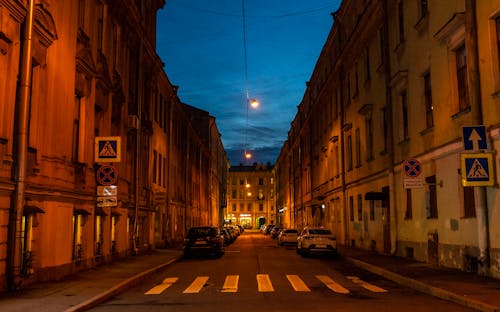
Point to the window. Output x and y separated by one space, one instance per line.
404 114
382 45
401 22
249 207
241 182
424 8
360 207
385 130
76 131
154 166
242 194
469 203
261 181
429 118
431 198
497 30
367 64
233 207
349 152
77 237
81 13
242 207
261 207
337 160
356 78
358 147
372 210
463 87
233 194
369 137
351 208
100 27
98 235
409 210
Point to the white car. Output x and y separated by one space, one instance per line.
288 236
316 240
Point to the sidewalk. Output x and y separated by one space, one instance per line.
88 288
467 289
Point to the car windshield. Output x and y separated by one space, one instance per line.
320 231
201 232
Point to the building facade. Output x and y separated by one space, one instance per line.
251 196
377 149
93 140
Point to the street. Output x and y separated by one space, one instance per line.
256 274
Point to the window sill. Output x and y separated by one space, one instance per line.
427 131
461 113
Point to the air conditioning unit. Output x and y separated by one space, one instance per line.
133 122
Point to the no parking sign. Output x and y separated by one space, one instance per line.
412 169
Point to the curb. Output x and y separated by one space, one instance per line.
425 288
115 290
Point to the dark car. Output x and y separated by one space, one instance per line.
208 240
228 238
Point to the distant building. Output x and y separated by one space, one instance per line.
251 196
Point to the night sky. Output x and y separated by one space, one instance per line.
202 45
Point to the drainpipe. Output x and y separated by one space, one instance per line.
138 151
14 252
480 199
393 221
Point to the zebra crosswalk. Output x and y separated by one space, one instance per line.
264 284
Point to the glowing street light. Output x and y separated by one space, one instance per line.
254 103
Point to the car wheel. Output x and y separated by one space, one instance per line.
298 250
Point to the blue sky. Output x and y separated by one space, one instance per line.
202 45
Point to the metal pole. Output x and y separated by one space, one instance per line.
14 258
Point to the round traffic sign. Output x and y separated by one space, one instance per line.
412 168
107 175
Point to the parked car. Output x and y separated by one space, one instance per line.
275 232
316 240
204 240
268 228
288 236
228 238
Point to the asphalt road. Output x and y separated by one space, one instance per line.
257 275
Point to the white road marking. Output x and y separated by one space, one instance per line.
264 283
196 285
231 283
331 284
297 283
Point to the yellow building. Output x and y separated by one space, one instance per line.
251 196
377 148
98 158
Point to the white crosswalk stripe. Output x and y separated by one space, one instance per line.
196 285
297 283
231 283
158 289
264 284
331 284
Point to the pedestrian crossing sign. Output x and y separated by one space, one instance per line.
107 149
477 169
